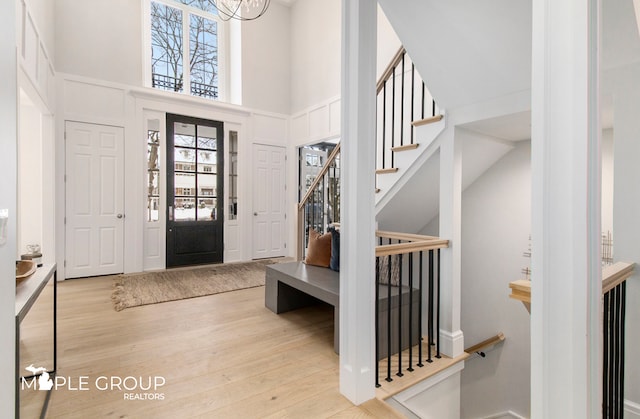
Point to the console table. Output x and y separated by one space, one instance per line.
27 293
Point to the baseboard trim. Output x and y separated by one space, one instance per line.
632 408
451 343
508 413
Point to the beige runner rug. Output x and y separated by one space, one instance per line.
132 290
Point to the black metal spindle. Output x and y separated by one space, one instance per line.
384 122
606 390
313 210
389 379
420 275
438 309
410 312
402 104
616 352
413 82
393 114
430 308
399 373
623 306
433 107
377 314
423 96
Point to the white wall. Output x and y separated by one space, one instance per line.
30 185
100 39
8 167
315 52
266 63
607 180
496 223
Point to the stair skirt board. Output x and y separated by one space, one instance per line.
505 415
631 410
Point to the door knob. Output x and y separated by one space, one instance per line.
255 214
120 216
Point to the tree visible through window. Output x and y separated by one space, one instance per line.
169 45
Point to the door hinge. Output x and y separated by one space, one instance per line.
65 220
65 135
285 245
285 215
65 263
65 177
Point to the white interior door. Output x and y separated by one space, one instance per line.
94 200
269 232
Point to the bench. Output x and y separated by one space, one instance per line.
293 285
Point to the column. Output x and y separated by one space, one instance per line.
357 263
565 261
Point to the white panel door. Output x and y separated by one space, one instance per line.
269 232
94 243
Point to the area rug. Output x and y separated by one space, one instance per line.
132 290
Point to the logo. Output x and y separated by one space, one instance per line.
132 388
44 381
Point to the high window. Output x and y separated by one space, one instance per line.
185 40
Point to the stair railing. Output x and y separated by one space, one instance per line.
614 291
402 99
320 205
407 325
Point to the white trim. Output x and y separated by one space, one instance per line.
632 408
501 415
451 342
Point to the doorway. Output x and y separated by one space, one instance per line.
195 211
269 202
94 189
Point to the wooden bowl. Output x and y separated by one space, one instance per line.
24 269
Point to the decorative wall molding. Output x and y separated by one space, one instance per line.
34 58
316 123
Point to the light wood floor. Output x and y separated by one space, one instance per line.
223 356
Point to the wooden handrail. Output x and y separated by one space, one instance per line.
614 275
404 236
319 177
487 343
389 70
416 246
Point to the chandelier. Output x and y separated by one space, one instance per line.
241 9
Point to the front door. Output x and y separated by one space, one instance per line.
94 217
269 202
195 162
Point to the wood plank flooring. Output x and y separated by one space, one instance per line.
222 356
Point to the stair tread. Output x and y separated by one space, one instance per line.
425 121
399 384
405 147
387 170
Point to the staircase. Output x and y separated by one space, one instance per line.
408 122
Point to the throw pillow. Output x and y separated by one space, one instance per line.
383 270
319 249
334 263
